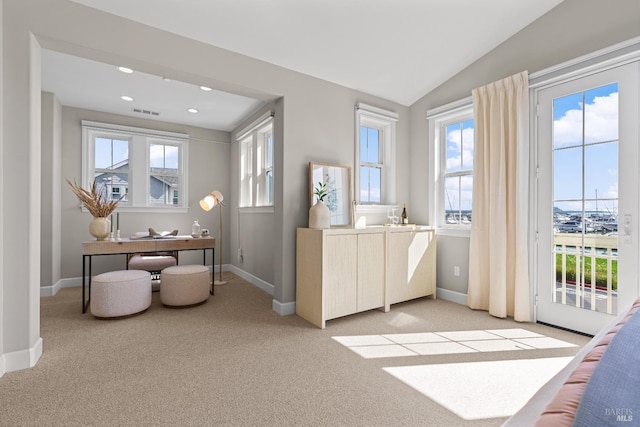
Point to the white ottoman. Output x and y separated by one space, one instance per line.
184 285
120 293
151 263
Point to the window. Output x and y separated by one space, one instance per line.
375 154
370 165
164 180
458 172
451 136
143 168
111 166
268 167
256 162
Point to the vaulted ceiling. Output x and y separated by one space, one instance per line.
398 50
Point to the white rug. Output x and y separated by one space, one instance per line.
481 390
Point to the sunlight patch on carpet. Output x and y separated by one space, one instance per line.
480 390
450 342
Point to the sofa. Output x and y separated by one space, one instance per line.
599 387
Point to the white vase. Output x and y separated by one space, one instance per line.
319 216
100 228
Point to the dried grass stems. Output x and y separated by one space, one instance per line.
95 202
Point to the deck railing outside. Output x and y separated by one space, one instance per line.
596 286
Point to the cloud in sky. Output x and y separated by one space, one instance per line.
163 156
455 149
601 123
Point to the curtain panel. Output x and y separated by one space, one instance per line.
499 253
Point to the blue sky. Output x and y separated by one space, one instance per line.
595 144
105 158
110 152
597 109
460 145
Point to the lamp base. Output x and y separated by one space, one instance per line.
220 282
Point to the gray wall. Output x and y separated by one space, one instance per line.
209 152
51 166
572 29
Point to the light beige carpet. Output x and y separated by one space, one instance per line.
234 362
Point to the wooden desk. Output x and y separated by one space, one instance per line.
127 247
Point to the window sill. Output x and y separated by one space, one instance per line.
256 210
377 209
454 231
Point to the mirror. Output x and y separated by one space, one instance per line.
338 185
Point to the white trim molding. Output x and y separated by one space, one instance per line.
283 309
255 281
385 122
453 296
257 123
22 359
594 62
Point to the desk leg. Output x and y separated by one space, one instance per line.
84 279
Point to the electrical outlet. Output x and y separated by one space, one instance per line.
456 270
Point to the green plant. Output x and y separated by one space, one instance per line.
320 191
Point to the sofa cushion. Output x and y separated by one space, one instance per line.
612 394
561 410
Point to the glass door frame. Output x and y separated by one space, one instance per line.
544 309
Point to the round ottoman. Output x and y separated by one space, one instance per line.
184 285
151 263
120 293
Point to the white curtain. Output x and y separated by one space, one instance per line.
499 255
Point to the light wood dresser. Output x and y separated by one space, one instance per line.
342 271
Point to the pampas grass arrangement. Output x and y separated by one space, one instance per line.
95 202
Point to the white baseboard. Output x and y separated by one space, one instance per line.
74 282
49 291
453 296
283 308
256 281
21 359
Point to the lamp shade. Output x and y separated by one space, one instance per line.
211 200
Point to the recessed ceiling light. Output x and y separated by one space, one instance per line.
125 70
166 79
205 88
126 98
192 110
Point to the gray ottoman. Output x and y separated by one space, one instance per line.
120 293
184 285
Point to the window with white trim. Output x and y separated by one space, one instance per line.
256 162
452 142
375 155
144 168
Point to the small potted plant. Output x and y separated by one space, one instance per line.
96 203
319 215
320 191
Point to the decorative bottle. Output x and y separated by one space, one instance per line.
405 218
195 229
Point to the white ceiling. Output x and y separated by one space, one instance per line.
92 85
399 50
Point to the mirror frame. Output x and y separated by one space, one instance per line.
339 203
